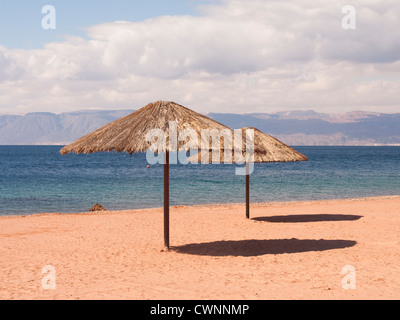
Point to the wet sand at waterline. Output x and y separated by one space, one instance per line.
291 250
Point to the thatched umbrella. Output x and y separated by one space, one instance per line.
131 135
266 149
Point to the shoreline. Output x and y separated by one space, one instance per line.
206 205
287 250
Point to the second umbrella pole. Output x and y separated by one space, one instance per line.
166 200
247 191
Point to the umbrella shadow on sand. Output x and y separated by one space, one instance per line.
247 248
308 218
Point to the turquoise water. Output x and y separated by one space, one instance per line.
36 179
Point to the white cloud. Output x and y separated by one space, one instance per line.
238 56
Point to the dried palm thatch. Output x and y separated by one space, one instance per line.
129 133
266 149
97 207
270 149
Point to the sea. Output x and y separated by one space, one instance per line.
38 179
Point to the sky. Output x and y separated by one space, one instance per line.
227 56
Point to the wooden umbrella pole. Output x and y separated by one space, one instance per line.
166 200
247 191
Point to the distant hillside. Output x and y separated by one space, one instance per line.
49 128
312 128
292 127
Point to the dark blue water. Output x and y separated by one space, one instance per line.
36 179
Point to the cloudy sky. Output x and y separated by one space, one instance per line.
211 56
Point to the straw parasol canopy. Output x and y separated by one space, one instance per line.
266 149
180 129
129 133
269 149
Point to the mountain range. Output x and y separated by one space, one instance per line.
292 127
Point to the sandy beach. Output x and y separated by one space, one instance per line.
292 250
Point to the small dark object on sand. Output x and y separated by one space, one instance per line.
98 207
